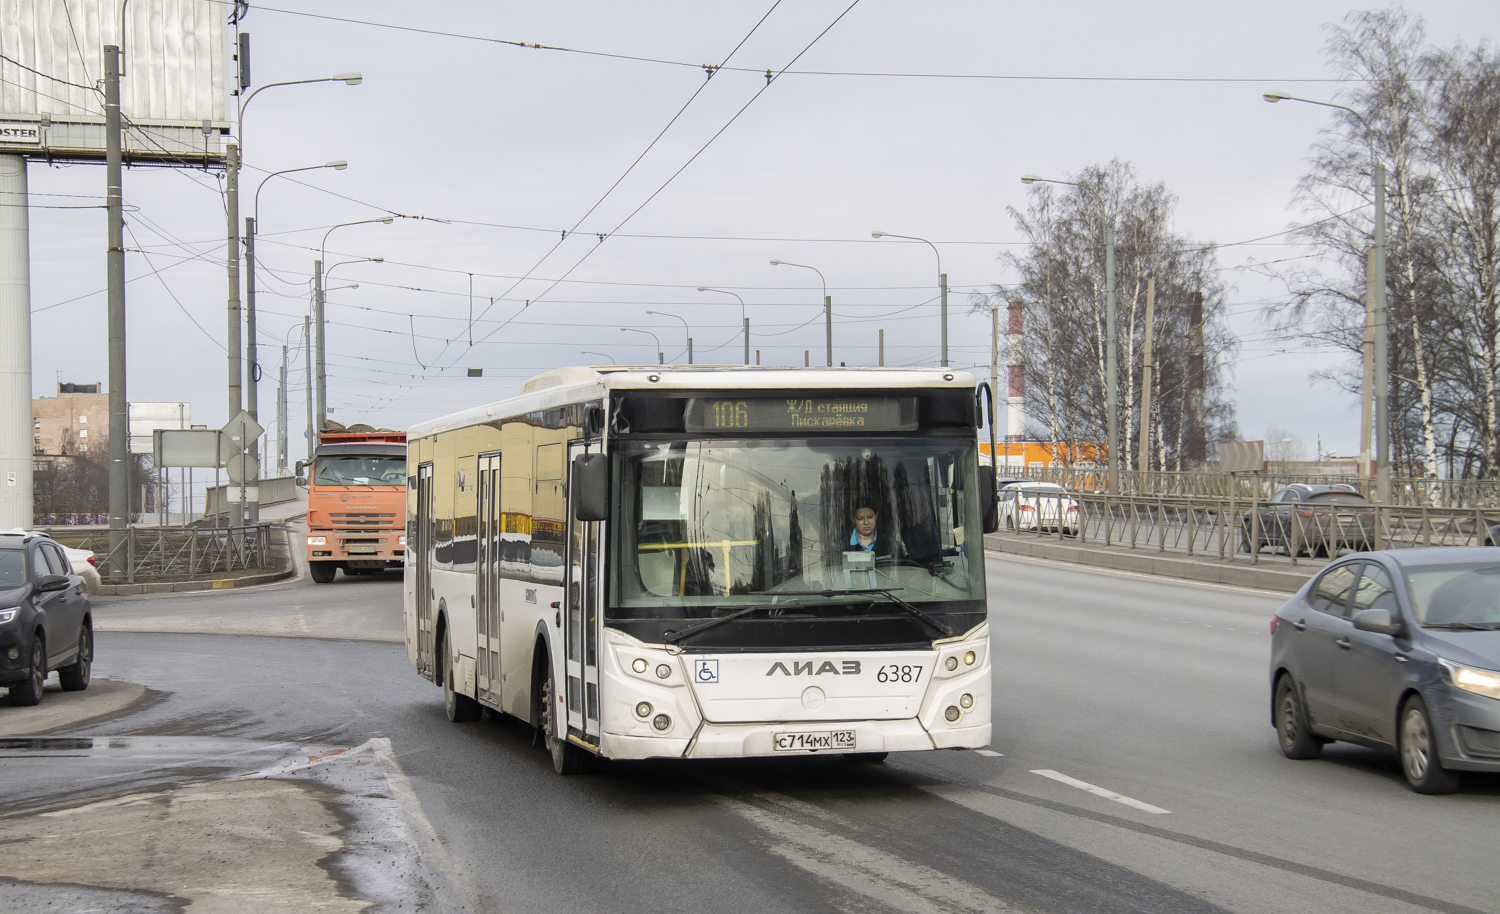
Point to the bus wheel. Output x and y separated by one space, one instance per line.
322 572
459 707
567 759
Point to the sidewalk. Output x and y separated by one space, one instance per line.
1283 579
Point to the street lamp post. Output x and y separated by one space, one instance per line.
1112 342
744 318
942 284
827 303
1379 312
318 321
591 352
660 356
685 328
234 156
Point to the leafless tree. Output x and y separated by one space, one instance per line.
1063 288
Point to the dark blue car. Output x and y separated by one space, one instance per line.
1397 650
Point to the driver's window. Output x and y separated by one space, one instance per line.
1374 591
1332 592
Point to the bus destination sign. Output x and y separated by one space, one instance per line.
801 414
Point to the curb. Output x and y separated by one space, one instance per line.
1184 569
253 580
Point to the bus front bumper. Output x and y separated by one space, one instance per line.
751 740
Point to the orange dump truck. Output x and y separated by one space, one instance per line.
356 501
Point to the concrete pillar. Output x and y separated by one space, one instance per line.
1015 404
15 346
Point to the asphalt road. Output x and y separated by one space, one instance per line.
1151 692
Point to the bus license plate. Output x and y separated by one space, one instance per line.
825 739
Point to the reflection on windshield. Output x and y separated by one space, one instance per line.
12 568
361 471
1456 594
702 524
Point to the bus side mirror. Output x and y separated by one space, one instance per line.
989 500
590 487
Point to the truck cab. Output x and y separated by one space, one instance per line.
356 508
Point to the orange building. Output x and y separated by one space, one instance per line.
1035 455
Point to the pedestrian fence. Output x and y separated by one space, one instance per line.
1411 492
155 552
1253 532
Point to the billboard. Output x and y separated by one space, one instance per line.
173 93
146 418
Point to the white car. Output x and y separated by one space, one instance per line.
1038 506
82 560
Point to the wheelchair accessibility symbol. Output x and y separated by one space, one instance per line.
705 671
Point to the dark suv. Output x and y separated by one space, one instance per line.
46 620
1315 519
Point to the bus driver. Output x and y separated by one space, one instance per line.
865 536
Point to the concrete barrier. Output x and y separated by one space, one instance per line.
1204 571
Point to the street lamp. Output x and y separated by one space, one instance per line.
685 327
318 321
591 352
1112 342
942 283
743 318
827 303
660 356
252 352
1379 313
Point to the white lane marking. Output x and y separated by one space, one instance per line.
802 835
990 752
1098 791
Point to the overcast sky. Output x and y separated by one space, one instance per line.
512 145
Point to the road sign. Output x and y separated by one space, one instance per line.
242 467
242 425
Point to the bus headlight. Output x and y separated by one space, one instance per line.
662 722
952 664
639 664
969 658
317 541
663 671
643 709
953 713
966 701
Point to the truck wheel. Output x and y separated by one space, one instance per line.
322 572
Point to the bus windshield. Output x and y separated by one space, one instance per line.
701 526
356 470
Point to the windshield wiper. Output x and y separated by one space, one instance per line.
676 637
1463 626
882 591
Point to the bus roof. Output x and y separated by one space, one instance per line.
584 383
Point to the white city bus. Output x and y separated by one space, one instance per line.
661 561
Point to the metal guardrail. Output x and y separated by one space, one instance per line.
154 552
1461 494
1224 528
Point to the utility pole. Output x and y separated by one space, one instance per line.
1380 327
1367 352
119 419
232 208
943 287
312 438
1148 366
828 324
17 504
281 435
320 393
882 347
994 353
252 358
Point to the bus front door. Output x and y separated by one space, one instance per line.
582 633
422 553
487 582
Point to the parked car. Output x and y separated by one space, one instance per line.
1038 506
46 620
1003 481
83 564
1397 650
1492 538
1312 519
